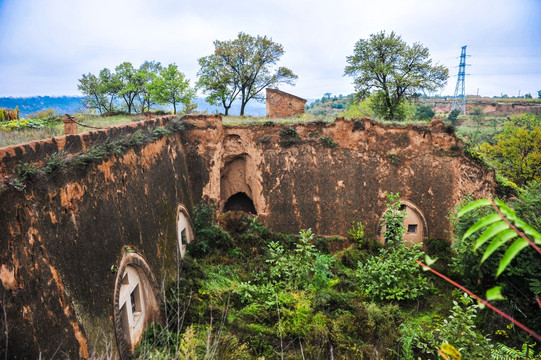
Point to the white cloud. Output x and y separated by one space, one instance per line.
47 45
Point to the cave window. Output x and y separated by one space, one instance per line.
240 202
412 229
184 231
130 301
136 300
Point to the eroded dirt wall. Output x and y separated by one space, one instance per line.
63 236
311 183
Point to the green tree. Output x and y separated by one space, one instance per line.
393 70
424 112
171 87
517 152
528 96
148 70
91 88
477 113
359 109
131 83
218 81
244 66
110 87
453 115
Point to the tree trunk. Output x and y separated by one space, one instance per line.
226 111
243 102
174 108
242 108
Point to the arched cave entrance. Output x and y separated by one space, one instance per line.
240 202
415 226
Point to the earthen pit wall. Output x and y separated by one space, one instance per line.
310 185
63 236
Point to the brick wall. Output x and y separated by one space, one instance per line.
281 104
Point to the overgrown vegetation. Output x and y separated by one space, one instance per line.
248 293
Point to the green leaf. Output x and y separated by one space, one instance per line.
510 254
474 205
498 241
528 230
480 304
492 231
429 260
506 210
495 294
487 220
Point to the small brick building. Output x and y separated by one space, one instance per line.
281 104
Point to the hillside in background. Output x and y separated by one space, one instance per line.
29 105
329 106
74 104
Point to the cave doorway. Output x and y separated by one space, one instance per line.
415 226
240 202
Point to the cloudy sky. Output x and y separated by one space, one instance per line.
46 45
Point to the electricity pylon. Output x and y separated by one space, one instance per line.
459 100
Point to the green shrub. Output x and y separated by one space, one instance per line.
208 234
295 269
22 124
55 161
393 274
328 141
27 171
158 132
393 219
458 329
424 112
137 138
395 159
453 115
356 233
289 136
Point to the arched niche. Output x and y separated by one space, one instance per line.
185 233
136 302
240 202
237 181
415 227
